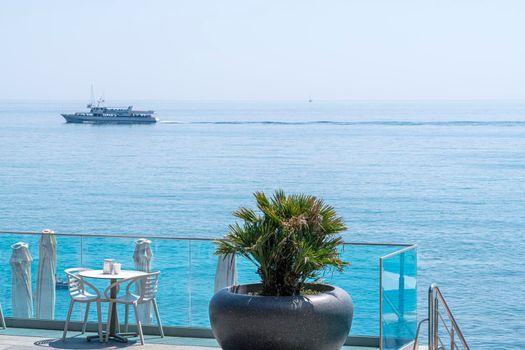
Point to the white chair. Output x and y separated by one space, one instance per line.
2 318
78 293
148 286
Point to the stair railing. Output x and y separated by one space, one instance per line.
436 301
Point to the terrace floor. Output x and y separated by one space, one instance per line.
22 338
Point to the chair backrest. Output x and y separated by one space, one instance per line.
146 286
150 285
75 284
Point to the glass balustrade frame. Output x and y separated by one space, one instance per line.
363 279
398 280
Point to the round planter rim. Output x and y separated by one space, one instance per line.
329 289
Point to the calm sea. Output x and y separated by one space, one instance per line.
449 176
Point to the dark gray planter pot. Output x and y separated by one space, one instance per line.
241 321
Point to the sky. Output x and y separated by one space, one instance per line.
262 50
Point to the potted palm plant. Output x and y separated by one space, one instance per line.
292 240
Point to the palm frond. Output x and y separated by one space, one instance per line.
292 240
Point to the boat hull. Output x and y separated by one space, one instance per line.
72 118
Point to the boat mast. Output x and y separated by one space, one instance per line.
92 95
92 99
100 100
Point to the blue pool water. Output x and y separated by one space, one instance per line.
449 176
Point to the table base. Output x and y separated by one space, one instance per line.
120 337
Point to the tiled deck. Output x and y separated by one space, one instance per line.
21 338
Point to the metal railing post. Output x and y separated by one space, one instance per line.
380 303
452 345
436 324
430 318
401 286
190 284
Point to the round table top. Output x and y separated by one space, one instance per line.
101 275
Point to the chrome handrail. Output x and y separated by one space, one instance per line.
418 330
435 299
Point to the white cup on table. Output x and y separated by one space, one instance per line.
117 267
108 266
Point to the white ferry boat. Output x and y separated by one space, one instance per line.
115 115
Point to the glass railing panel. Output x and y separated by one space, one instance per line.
188 268
398 299
246 271
173 259
68 252
68 255
94 250
361 281
203 267
170 257
6 272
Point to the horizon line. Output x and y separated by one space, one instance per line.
78 100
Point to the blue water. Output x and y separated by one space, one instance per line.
449 176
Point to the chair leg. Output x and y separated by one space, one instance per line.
108 327
86 316
68 318
99 317
126 316
156 309
139 325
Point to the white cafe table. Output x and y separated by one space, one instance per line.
99 274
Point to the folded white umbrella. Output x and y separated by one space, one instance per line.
142 259
46 280
226 273
2 319
21 292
